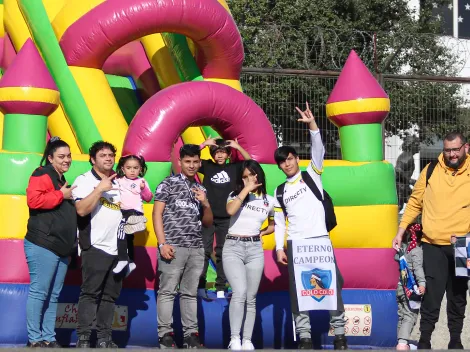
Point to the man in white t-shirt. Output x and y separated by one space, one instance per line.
306 216
97 199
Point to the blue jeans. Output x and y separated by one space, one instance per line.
47 274
243 266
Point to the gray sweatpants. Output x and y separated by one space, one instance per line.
406 318
183 271
337 317
243 266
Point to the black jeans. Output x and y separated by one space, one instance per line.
99 291
439 268
220 227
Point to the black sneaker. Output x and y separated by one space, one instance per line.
424 345
83 342
52 344
455 345
167 341
340 342
37 344
305 344
192 341
107 344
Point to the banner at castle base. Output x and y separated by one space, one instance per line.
67 317
312 274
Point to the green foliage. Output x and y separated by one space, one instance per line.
319 34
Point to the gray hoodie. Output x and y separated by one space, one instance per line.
415 262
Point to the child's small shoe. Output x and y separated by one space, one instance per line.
403 347
120 266
130 268
130 229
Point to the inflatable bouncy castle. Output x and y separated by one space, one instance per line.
147 76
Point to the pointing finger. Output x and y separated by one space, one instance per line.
65 184
112 176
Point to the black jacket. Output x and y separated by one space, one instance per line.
52 220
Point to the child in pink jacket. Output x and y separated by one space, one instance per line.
134 189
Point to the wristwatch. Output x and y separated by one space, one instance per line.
160 245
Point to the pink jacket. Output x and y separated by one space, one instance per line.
131 193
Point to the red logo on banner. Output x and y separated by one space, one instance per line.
316 283
318 292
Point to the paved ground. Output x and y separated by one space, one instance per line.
440 338
439 341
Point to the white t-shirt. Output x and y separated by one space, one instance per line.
305 212
105 218
248 219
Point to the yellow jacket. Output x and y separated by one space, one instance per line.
444 204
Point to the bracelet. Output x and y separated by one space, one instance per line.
237 197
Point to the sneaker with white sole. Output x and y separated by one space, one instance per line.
247 345
120 266
130 268
235 344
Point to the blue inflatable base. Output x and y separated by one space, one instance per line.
273 327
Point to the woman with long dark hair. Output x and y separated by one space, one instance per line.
243 257
50 238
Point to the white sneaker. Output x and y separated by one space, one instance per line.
247 345
220 294
120 266
130 268
235 344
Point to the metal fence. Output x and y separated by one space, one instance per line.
423 110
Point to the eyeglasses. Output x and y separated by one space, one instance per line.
450 150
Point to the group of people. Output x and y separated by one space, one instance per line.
105 208
441 197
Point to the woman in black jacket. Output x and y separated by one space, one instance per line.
50 238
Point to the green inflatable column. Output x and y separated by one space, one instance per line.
24 133
361 142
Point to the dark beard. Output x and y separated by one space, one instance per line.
457 164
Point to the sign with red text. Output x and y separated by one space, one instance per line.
67 317
358 320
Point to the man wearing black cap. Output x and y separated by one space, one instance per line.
219 181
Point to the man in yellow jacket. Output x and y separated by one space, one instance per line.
444 203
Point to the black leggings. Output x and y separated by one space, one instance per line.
125 242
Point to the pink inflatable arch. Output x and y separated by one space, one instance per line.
159 122
95 36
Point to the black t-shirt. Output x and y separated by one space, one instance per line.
219 181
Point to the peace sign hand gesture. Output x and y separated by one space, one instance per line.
106 183
67 191
201 196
